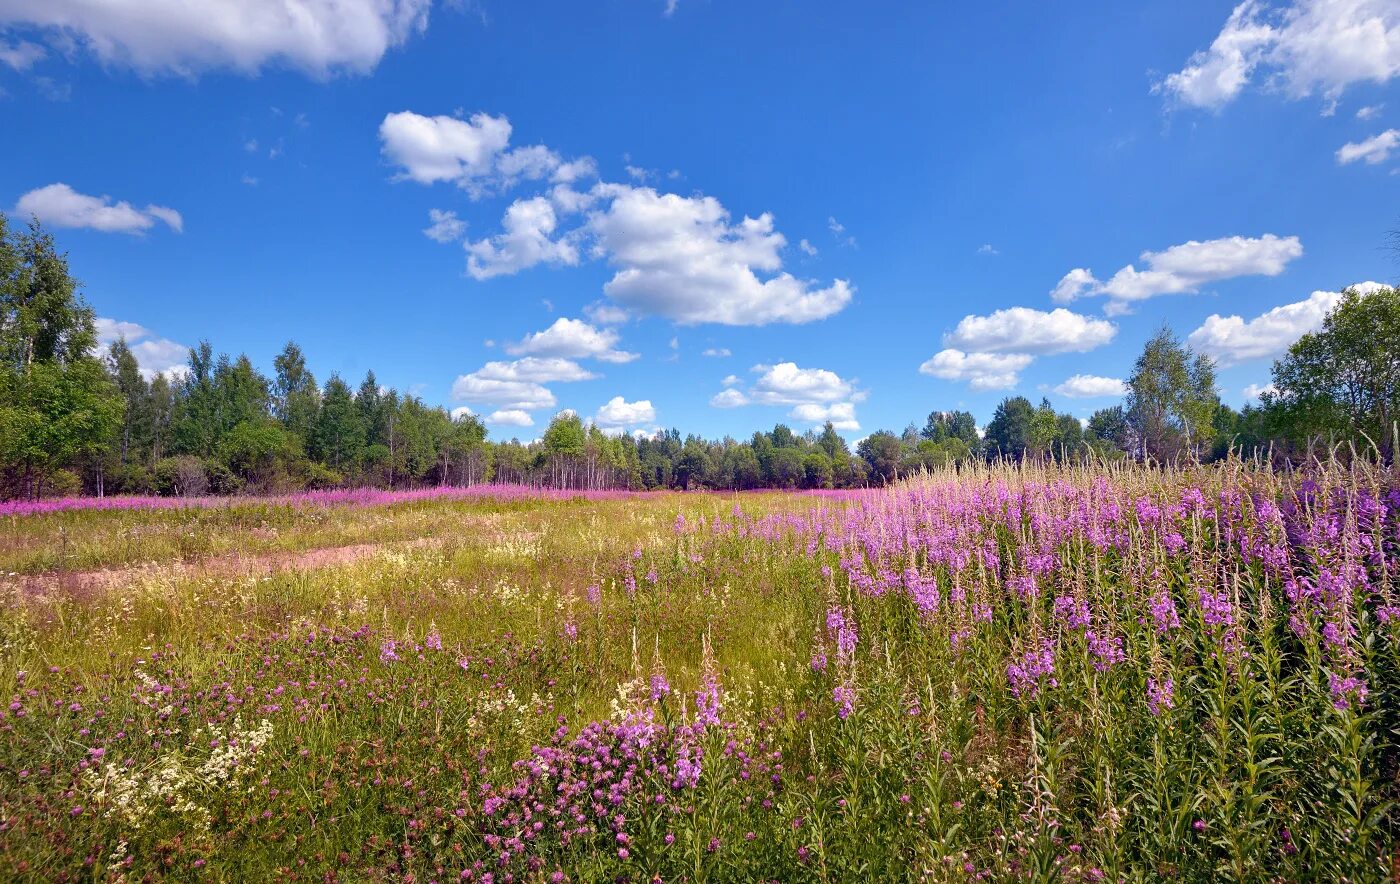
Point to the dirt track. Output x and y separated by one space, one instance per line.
232 565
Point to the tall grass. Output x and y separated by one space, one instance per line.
1004 672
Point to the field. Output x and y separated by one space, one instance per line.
1004 673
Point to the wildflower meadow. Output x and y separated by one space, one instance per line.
999 672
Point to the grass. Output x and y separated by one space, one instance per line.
1039 673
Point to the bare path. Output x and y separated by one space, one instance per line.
228 565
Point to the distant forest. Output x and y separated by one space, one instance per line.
77 419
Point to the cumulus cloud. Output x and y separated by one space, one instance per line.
618 412
1311 46
518 385
474 153
1373 151
1089 386
981 371
462 411
1024 330
729 398
443 148
717 352
524 242
445 227
680 257
154 355
786 384
511 417
535 369
842 415
1255 391
1233 339
59 205
573 339
186 37
1183 268
815 394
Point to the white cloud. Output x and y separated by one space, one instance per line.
61 206
729 398
1312 46
717 352
987 249
446 226
1370 111
816 394
603 313
1232 339
185 37
462 411
519 394
732 380
841 414
574 339
511 417
618 412
1024 330
524 242
1088 386
171 217
535 369
1254 391
20 56
786 384
443 148
154 355
1184 268
1072 285
518 385
1374 150
838 230
471 153
807 247
679 257
981 371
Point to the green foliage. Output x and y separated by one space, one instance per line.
1343 382
1171 400
58 407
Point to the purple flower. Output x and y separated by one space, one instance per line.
1159 695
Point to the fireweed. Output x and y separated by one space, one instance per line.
1001 673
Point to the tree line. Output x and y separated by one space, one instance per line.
77 419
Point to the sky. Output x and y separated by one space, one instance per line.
710 215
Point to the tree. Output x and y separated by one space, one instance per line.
338 439
943 425
563 447
1010 431
883 451
1108 429
295 397
1345 378
58 406
1171 399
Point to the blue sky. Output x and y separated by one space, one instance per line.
862 212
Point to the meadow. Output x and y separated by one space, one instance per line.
1002 672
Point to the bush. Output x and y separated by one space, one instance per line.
62 483
130 479
183 476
